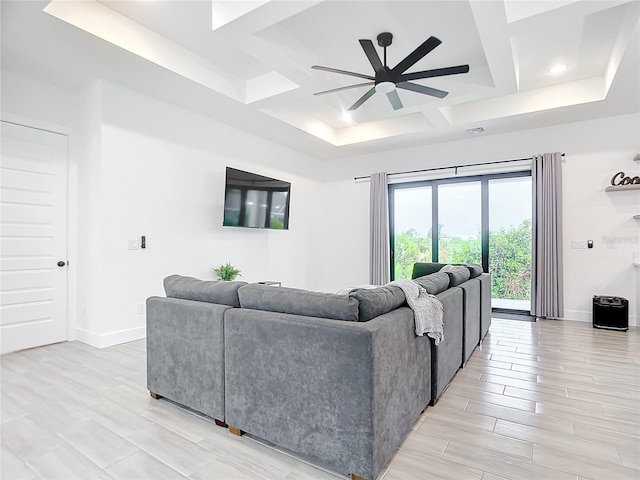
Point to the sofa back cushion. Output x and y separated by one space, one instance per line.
298 302
434 283
421 269
474 270
457 274
189 288
377 301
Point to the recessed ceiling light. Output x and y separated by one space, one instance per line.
346 116
557 69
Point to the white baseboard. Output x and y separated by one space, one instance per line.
111 339
580 316
577 315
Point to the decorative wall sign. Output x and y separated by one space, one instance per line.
620 179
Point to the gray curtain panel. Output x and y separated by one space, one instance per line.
379 265
546 261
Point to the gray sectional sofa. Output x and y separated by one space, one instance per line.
339 379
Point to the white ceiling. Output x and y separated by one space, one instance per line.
247 63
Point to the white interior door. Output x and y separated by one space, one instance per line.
33 237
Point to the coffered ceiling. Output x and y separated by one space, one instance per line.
248 63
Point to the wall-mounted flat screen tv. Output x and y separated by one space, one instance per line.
255 201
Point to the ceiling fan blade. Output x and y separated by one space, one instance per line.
414 87
363 98
372 55
394 99
343 72
437 72
339 89
413 57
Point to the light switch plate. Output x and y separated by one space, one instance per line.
578 244
133 244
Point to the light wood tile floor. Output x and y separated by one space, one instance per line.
546 400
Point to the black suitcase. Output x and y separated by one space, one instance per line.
611 313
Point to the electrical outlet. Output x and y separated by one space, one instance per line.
141 309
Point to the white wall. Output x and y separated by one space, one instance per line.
162 174
345 236
38 101
595 150
88 219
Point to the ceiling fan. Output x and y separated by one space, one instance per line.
386 79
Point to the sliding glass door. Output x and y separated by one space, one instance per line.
412 232
459 223
510 242
482 219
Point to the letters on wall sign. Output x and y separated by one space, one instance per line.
620 179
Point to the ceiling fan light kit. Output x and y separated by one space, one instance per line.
385 87
388 80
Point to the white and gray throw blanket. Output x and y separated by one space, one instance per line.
427 309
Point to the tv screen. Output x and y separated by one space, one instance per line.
255 201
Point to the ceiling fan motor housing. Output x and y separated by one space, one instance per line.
384 75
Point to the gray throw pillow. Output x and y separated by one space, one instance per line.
377 301
458 275
298 302
189 288
434 283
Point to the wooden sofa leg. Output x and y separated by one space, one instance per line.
155 395
235 430
220 423
357 477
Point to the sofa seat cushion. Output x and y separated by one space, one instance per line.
377 301
189 288
298 302
434 283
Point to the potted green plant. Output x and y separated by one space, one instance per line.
227 273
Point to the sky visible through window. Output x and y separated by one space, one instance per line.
509 201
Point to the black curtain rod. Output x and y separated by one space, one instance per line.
452 166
